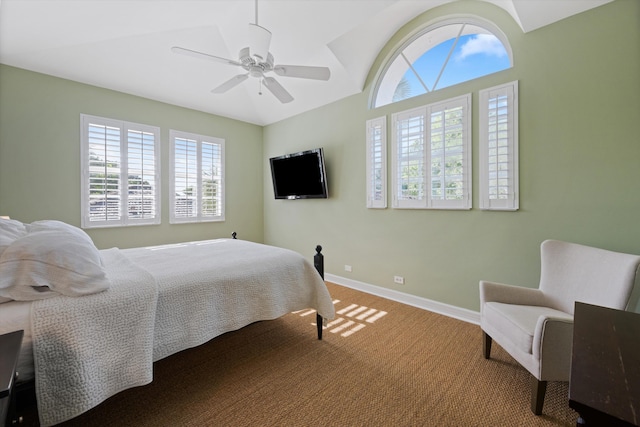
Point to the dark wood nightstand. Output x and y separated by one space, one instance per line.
9 350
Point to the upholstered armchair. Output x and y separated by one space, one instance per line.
535 326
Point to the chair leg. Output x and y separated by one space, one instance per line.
486 345
538 390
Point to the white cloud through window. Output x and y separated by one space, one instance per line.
486 44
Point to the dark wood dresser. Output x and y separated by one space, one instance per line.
605 368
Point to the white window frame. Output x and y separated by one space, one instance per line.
423 157
199 214
498 148
125 216
376 166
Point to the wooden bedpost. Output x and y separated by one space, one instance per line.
318 262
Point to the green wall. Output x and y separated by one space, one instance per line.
40 157
579 173
579 143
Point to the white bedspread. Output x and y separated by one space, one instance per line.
222 285
89 348
162 300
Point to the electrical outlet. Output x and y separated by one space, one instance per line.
347 268
398 279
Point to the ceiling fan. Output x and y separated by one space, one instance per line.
256 60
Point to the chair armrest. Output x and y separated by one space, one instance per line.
509 294
552 343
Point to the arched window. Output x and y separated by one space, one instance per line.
441 55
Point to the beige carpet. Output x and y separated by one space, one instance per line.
381 363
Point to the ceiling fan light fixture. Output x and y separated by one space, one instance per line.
259 41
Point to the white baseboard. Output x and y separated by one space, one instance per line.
463 314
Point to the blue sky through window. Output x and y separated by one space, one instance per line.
475 55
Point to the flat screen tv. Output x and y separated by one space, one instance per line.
299 175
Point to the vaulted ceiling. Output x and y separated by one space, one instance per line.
126 45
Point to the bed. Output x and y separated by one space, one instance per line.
96 320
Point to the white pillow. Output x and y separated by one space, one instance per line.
10 230
52 259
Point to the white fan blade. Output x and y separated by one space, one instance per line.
196 54
259 41
277 90
232 82
303 72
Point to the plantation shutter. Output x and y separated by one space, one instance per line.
105 190
432 156
449 141
185 178
409 159
142 199
376 167
499 147
197 178
120 184
211 180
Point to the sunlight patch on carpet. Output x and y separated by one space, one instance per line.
346 326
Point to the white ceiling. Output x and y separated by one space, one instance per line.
124 45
